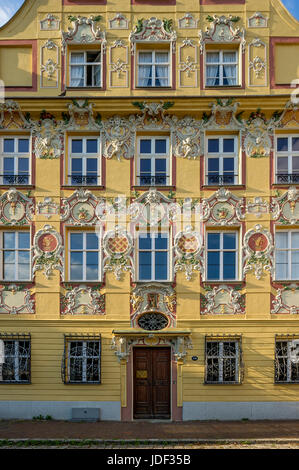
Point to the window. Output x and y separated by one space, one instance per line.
287 159
222 160
153 161
287 255
222 256
222 68
153 256
84 161
84 256
14 359
223 361
286 365
153 69
15 160
82 360
15 254
85 69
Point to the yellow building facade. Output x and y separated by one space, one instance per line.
149 210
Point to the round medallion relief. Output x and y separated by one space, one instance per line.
83 212
118 244
258 242
222 211
13 210
188 244
47 242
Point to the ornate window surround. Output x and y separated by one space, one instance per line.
150 32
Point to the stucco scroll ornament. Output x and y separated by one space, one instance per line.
81 116
11 116
81 208
118 247
122 345
85 31
285 209
221 30
118 138
186 136
223 116
257 142
286 300
258 251
83 300
15 208
223 208
152 30
47 251
223 300
188 252
47 207
153 297
48 135
16 299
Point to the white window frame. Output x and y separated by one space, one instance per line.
221 251
83 156
15 155
221 63
153 65
289 252
220 155
84 358
289 154
16 251
85 64
84 250
221 358
153 156
153 232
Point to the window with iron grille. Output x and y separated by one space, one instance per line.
84 161
222 163
286 363
15 354
82 360
223 360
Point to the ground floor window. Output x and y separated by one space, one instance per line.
82 360
14 359
223 360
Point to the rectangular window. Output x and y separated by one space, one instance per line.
153 68
286 362
222 160
222 256
15 359
222 68
82 360
153 256
287 159
84 161
15 255
85 69
287 255
223 360
15 160
84 256
153 161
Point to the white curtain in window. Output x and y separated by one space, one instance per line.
162 70
230 71
97 75
212 74
144 75
77 71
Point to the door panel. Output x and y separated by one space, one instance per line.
151 383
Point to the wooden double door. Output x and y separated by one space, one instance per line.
152 383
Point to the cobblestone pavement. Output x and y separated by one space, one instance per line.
143 430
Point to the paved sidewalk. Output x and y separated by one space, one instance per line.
163 431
